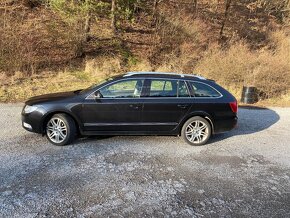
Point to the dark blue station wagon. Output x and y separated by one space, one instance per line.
136 103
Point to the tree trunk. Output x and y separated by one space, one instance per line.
154 12
113 18
5 12
194 7
155 5
228 5
87 27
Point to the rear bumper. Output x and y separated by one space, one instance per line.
225 125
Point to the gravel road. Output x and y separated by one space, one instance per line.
243 173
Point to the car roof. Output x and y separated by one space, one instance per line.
163 75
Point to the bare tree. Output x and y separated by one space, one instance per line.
226 13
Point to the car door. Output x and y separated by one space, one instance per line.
166 101
117 107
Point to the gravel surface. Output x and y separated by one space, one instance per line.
243 173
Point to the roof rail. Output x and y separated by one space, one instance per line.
154 73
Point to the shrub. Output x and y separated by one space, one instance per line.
268 70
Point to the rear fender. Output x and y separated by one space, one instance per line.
202 114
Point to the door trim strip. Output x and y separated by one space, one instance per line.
130 124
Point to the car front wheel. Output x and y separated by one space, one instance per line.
196 131
60 129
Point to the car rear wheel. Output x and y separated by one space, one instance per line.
61 129
196 131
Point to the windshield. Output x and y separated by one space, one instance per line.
96 84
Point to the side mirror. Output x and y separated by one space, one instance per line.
98 95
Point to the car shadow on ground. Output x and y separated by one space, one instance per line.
92 138
251 120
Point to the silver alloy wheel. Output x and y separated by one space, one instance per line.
56 130
196 132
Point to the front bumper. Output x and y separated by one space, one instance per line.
33 121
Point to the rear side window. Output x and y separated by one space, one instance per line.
203 90
163 88
182 90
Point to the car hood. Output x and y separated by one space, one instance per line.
50 97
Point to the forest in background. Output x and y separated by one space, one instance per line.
56 45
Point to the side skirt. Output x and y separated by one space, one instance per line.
89 133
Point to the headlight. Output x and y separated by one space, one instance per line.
28 109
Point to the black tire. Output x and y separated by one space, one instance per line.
71 130
204 138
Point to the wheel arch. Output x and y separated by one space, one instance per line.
51 113
202 114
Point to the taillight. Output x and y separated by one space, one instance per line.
234 106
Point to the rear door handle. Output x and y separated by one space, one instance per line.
183 106
134 106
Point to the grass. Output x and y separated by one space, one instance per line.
283 101
19 88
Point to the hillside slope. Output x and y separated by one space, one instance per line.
233 42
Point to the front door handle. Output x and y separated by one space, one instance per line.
183 106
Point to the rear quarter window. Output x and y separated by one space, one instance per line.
201 90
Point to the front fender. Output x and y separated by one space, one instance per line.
71 113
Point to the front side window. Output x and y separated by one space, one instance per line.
203 90
163 88
123 89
